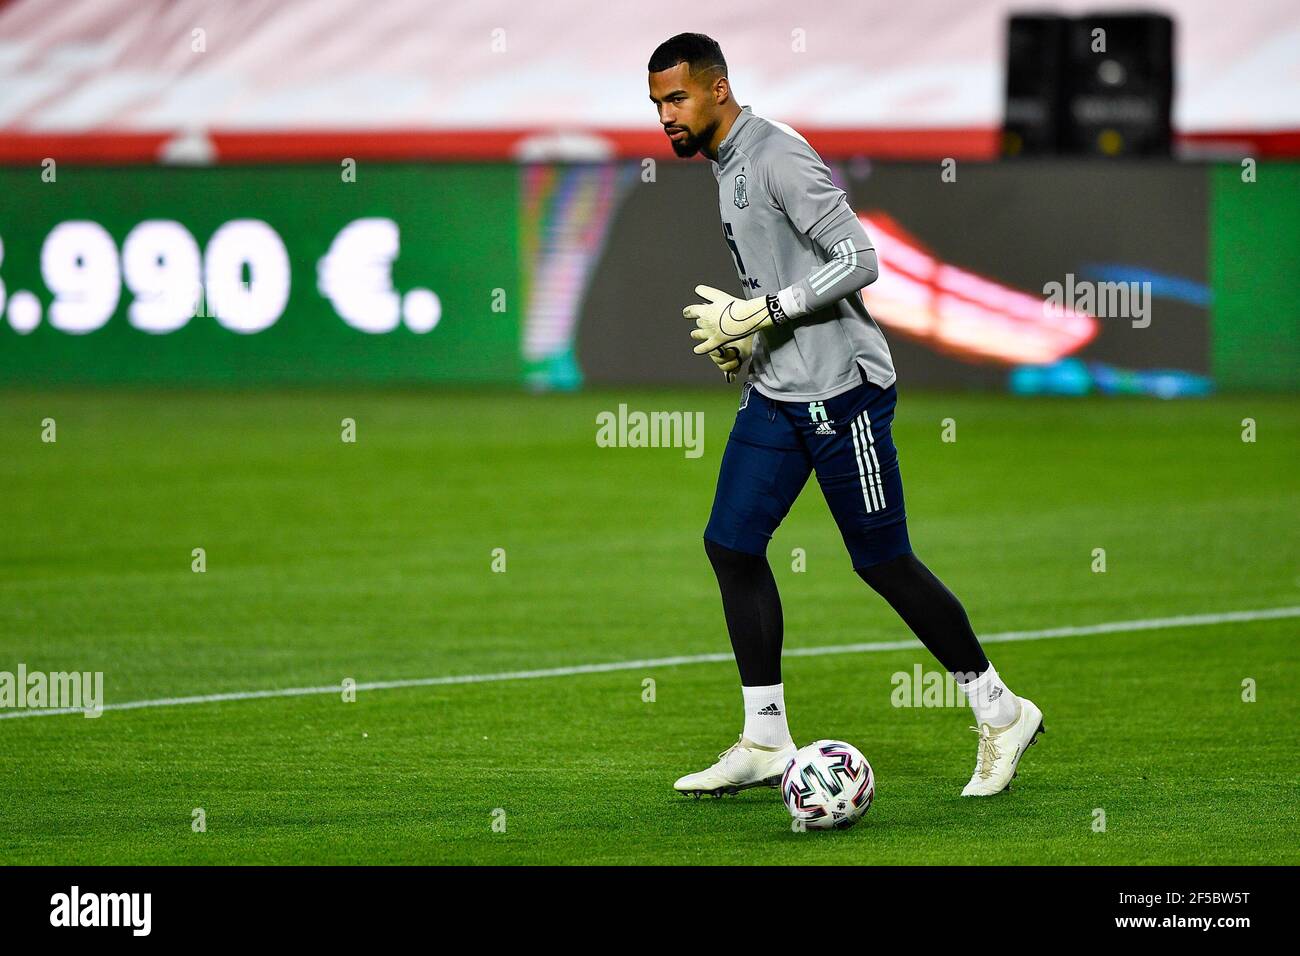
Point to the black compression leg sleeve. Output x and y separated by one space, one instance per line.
753 609
933 612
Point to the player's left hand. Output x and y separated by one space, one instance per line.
724 319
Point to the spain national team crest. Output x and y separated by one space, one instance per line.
742 194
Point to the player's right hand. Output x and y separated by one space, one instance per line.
730 357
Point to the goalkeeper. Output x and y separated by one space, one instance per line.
819 398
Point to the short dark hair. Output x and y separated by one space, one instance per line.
696 50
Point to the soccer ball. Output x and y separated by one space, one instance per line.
828 785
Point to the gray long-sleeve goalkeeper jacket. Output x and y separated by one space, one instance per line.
792 234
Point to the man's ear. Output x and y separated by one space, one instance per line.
721 91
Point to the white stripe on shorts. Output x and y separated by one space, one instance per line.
872 472
868 487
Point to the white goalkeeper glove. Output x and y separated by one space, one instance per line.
724 319
726 325
728 358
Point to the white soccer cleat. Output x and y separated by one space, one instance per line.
1000 750
741 766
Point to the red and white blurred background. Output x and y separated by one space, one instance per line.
269 79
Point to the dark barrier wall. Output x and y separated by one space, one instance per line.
551 275
1017 225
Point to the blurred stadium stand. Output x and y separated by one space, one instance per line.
118 80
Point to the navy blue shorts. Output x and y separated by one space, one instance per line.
775 445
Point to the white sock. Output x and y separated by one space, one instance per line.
991 699
765 723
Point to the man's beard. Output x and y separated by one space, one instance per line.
690 144
686 147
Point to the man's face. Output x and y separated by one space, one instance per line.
687 106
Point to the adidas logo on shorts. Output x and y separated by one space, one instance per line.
824 428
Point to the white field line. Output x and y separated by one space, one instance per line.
1112 627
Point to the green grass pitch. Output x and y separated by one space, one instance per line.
373 561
